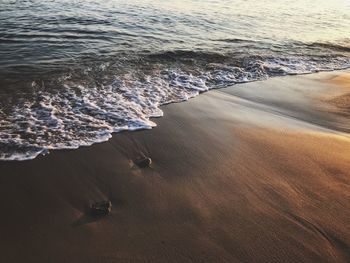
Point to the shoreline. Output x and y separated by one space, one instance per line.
108 135
256 172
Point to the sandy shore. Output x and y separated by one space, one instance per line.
258 172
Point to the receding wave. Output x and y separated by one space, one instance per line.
85 106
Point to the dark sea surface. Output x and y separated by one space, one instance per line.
74 71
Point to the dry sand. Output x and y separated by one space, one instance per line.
258 172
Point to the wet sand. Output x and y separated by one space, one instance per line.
258 172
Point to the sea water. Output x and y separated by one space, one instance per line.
72 72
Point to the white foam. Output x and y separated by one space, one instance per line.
80 115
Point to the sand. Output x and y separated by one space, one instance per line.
258 172
341 99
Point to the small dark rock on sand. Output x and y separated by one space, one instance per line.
101 208
143 162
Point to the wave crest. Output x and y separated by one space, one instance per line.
92 103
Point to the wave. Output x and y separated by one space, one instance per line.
86 106
330 46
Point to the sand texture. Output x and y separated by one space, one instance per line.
258 172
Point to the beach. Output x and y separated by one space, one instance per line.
256 172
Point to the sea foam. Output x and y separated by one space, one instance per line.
81 112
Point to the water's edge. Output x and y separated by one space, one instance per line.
149 124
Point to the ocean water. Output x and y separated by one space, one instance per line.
74 71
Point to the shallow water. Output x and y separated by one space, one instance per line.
73 72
